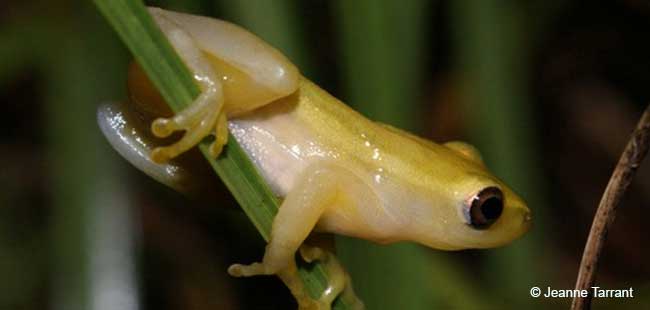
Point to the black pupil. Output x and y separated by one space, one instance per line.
486 207
492 208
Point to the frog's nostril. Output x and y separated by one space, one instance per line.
526 219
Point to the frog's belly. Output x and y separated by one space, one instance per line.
279 146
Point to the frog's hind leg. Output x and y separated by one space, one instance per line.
321 186
201 117
127 132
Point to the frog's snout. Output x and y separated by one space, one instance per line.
526 219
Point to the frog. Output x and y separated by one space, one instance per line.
336 171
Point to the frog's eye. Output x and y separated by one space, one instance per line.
484 208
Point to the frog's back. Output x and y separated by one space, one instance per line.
285 137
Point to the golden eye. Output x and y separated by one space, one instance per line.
484 208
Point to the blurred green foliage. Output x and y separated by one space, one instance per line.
492 54
82 68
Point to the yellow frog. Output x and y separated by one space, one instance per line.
337 171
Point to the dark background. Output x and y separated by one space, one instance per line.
549 91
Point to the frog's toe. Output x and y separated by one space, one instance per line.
163 127
221 136
197 120
192 136
239 270
307 303
311 253
197 124
192 116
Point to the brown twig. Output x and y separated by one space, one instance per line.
629 162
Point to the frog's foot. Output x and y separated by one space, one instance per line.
339 280
289 275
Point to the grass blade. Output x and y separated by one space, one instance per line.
156 56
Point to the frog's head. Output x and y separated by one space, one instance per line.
480 211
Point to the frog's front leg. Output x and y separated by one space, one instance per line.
200 117
321 186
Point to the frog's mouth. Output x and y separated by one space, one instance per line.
514 223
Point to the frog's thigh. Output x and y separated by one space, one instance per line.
200 118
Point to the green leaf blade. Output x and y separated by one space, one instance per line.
166 70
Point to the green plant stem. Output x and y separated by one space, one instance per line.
165 69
